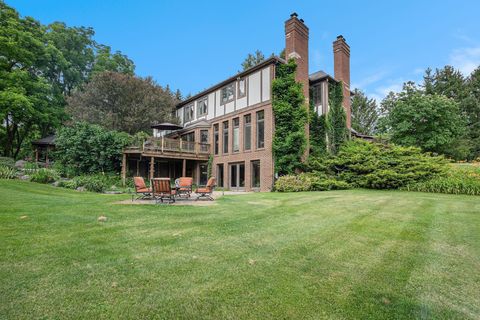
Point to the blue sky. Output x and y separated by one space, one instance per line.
193 45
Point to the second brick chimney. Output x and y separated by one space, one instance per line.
341 69
296 47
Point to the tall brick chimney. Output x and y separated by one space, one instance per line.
296 47
341 70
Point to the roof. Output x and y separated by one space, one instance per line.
46 141
166 126
271 60
319 76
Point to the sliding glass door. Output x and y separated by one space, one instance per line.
237 176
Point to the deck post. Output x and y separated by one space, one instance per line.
124 168
184 168
46 158
152 167
163 143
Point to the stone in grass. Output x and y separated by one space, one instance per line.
102 218
24 217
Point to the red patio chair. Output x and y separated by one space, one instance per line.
184 187
206 191
141 189
162 190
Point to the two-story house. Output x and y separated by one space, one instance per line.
233 121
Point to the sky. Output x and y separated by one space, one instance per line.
192 45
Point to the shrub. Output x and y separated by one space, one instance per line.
44 176
379 166
308 182
7 162
93 183
7 172
459 180
85 148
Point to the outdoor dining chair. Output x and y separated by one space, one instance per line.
162 190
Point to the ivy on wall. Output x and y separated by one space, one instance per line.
336 119
318 132
291 117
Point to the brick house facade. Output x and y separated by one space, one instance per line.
233 122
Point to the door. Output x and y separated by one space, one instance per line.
203 174
237 176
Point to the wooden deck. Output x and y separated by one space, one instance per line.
171 148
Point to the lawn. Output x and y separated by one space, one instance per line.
355 254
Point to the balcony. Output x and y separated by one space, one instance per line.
170 148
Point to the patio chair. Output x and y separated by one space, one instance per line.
162 190
184 186
206 191
141 189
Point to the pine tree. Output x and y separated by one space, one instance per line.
336 118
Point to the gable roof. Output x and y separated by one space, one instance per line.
46 141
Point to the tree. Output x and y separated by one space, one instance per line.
364 113
337 132
471 107
429 121
27 105
84 148
291 116
116 62
252 60
122 102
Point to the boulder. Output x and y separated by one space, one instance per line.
20 164
81 189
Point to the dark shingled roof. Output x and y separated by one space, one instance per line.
47 141
319 75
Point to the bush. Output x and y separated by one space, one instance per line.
7 172
93 183
7 162
44 176
85 149
308 182
459 180
379 166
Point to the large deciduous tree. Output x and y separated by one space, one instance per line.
430 121
364 113
122 102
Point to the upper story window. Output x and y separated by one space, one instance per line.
215 138
317 95
236 135
227 93
189 137
260 129
225 137
188 113
247 132
202 107
242 87
203 136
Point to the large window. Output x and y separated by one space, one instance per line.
203 136
242 88
225 137
227 93
247 132
188 113
220 175
317 98
202 107
236 135
215 138
256 174
260 129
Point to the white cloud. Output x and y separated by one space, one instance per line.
371 79
465 59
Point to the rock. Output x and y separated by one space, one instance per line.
81 189
23 217
24 177
56 183
113 192
102 219
20 164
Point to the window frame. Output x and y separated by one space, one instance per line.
252 180
225 136
204 99
185 110
244 79
258 131
216 138
222 102
245 126
237 127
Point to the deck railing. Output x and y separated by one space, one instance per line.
168 145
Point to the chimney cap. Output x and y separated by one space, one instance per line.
340 37
301 20
293 15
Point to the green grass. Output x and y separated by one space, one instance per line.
354 254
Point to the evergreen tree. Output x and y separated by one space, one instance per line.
364 113
337 132
252 60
